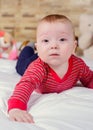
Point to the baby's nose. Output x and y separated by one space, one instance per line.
54 46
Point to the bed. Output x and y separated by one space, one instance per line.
69 110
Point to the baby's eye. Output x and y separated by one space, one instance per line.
45 40
62 39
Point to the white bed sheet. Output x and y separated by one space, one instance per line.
69 110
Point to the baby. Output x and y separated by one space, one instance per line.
56 69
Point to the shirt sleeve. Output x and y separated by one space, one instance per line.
86 76
31 79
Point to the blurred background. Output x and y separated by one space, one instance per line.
20 17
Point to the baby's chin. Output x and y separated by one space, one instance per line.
53 63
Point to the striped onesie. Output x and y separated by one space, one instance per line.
40 77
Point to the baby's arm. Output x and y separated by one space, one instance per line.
23 91
87 76
20 116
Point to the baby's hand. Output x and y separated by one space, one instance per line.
20 116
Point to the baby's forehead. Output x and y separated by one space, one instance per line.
54 28
56 25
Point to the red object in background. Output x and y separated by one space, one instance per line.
2 33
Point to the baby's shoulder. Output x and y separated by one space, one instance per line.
78 61
38 64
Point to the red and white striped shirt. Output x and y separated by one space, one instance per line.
39 76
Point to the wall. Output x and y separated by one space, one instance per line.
20 17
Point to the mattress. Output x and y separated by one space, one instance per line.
69 110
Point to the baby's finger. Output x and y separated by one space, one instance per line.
12 118
28 118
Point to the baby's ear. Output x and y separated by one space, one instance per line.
35 46
76 43
75 46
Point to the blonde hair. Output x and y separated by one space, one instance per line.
57 18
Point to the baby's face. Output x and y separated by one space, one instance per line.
55 42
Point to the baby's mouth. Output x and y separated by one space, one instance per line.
55 54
